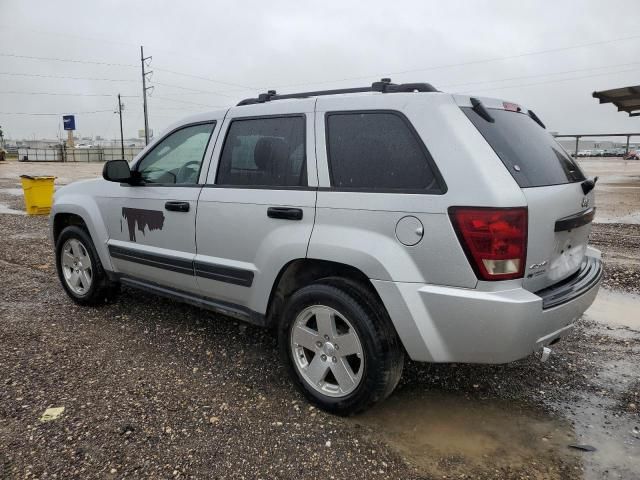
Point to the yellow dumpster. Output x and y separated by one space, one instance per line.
38 193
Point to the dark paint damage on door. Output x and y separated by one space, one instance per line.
141 218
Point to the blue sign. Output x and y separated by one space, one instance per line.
69 122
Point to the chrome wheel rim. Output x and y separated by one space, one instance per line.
76 266
327 351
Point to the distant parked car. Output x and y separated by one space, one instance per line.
84 145
597 153
585 153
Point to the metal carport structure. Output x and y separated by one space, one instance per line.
627 99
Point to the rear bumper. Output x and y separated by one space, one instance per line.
447 324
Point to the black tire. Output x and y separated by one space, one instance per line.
382 350
101 290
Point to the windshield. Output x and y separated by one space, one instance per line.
530 153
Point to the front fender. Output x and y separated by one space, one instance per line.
86 207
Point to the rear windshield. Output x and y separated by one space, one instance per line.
530 153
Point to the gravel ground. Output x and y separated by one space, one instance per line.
620 245
155 389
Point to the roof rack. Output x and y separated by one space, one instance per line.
383 86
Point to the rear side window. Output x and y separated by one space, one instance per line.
264 152
378 151
530 153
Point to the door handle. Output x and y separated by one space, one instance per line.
285 213
177 206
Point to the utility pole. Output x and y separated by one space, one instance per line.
120 107
144 94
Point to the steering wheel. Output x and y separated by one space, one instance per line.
183 171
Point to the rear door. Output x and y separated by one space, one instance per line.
256 211
560 213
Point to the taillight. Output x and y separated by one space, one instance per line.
494 239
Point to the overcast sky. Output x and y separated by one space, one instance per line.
293 46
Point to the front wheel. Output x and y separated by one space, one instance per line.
340 347
80 270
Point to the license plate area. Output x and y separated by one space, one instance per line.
569 251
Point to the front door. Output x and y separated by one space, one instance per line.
256 211
151 226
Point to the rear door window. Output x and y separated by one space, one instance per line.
378 151
530 153
267 152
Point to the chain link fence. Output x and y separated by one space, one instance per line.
62 153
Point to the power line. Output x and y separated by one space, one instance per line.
70 60
64 77
554 81
185 102
195 90
400 72
539 75
473 62
21 29
237 85
57 114
65 94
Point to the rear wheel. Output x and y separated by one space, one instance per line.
80 270
340 347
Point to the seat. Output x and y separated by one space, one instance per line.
271 156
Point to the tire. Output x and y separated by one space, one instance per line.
92 287
315 370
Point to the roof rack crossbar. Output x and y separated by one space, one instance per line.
383 86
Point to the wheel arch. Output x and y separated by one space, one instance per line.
64 219
304 271
85 214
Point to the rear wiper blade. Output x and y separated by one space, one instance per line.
589 185
536 119
478 107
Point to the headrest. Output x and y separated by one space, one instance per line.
269 151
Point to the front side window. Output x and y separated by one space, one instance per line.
177 158
264 152
377 151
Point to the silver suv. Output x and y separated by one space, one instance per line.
364 225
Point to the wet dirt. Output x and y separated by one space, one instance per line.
617 190
10 211
459 421
450 435
615 308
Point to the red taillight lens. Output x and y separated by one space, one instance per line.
494 239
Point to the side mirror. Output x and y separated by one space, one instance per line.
117 171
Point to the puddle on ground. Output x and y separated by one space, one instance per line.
616 437
445 434
632 218
614 308
5 209
12 191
